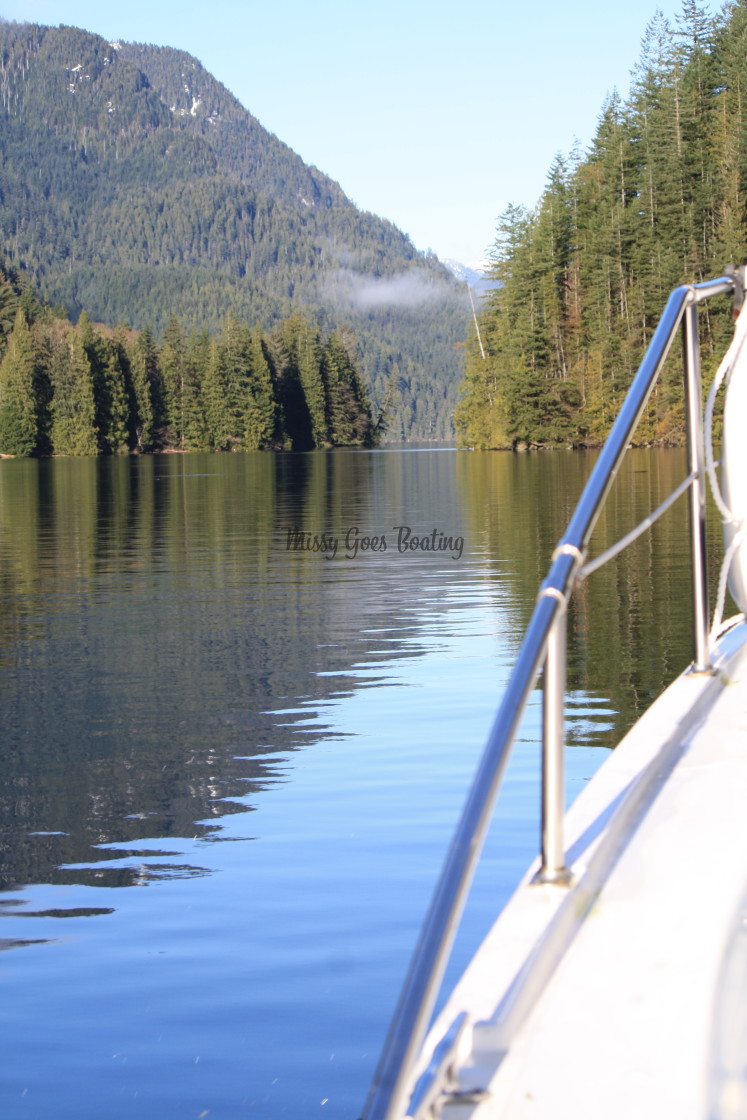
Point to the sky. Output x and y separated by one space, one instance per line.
434 114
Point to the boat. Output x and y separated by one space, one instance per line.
614 982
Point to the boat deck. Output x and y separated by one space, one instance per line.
614 997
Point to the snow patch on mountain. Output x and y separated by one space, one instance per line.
475 275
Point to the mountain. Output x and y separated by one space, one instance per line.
134 186
466 273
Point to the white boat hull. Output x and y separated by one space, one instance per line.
608 999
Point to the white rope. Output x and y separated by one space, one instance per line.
728 623
727 364
634 534
723 576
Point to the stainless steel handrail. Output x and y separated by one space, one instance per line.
544 644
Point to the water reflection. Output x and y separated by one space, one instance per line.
629 625
161 645
154 624
273 744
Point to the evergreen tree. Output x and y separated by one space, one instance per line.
728 135
195 434
115 414
145 381
605 354
73 406
348 410
301 384
172 359
262 413
220 418
42 338
9 302
109 390
698 90
236 369
307 355
19 424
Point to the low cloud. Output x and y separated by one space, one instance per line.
411 289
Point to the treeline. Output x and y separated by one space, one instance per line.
87 390
658 200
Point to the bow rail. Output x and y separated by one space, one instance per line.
544 647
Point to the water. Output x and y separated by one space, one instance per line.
231 764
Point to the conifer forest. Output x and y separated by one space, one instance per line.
85 390
581 279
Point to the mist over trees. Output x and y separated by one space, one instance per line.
659 199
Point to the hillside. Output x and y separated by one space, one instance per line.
134 186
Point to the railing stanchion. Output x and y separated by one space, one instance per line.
697 496
553 869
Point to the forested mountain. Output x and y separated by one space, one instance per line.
135 187
659 199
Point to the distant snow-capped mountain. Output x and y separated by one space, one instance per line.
468 274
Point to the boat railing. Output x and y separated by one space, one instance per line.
544 648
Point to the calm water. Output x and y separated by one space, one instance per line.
231 767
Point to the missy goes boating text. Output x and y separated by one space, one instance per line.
399 541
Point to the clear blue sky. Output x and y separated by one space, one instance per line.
432 113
